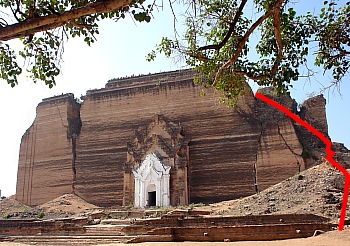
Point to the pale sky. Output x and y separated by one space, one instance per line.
120 51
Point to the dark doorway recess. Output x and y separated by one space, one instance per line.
152 199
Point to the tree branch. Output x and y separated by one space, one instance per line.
230 31
241 44
39 24
233 59
277 28
3 22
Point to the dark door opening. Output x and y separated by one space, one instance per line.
152 199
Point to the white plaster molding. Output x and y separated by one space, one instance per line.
152 172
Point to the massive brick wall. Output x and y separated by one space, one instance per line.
45 159
232 152
218 146
279 149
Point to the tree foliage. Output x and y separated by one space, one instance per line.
224 41
45 25
228 47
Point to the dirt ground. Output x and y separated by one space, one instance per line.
67 205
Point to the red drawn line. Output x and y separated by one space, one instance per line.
330 152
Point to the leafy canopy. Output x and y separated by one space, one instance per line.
224 41
228 47
45 25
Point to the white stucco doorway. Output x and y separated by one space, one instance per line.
152 183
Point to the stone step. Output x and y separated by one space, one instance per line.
70 240
116 222
126 214
4 238
104 230
151 238
234 233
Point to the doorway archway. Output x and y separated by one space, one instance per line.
152 183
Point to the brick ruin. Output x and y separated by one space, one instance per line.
153 140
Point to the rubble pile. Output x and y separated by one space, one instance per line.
318 190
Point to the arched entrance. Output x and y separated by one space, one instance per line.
163 145
152 183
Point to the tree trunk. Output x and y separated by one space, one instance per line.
44 23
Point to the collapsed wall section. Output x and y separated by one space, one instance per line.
342 154
45 158
313 111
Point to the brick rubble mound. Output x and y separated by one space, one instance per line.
318 190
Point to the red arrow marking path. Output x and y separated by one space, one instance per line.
330 152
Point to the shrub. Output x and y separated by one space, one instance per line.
6 216
41 215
